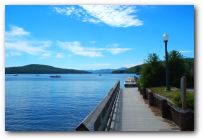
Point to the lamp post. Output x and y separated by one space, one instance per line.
166 56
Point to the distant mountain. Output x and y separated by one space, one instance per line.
105 71
41 69
134 69
122 68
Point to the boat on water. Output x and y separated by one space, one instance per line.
130 82
55 76
15 75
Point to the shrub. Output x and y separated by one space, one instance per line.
174 96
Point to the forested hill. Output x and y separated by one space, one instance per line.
41 69
134 69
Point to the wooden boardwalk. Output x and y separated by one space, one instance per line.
133 114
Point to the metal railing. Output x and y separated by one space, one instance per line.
100 118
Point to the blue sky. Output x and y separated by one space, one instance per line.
95 36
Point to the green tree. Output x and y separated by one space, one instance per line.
152 73
177 68
189 62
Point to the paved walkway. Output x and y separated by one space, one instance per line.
133 114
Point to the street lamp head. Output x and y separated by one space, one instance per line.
165 36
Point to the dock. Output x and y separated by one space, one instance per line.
133 114
130 82
125 110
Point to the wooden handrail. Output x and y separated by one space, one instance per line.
98 119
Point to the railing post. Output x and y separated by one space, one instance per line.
151 98
165 109
183 91
144 93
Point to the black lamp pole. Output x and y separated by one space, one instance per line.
166 56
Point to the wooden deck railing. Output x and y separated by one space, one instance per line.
100 118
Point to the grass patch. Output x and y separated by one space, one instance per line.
174 96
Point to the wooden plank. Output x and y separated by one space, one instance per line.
137 116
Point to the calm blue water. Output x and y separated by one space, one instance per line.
41 103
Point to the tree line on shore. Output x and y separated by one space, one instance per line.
152 73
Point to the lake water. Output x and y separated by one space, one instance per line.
40 103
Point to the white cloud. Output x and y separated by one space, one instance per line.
115 16
45 55
118 50
65 11
16 32
76 48
118 16
59 55
115 49
31 48
17 42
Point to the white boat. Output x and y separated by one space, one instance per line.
130 82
